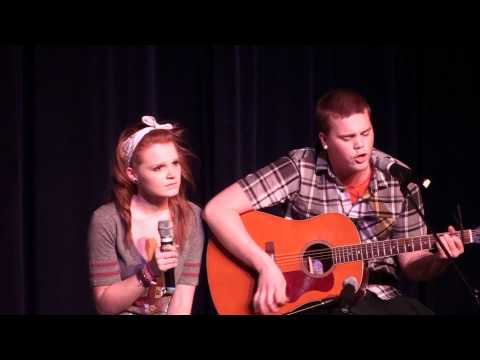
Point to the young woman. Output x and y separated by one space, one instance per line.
127 264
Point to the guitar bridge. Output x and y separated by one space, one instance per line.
270 249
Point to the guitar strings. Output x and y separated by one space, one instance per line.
414 240
346 252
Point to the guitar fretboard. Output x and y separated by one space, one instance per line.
386 248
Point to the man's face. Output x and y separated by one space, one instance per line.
350 143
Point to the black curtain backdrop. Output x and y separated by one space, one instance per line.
63 107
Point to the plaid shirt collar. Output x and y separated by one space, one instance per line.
379 180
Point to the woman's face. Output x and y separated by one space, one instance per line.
159 172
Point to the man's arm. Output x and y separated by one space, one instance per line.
222 213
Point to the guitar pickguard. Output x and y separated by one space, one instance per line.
299 283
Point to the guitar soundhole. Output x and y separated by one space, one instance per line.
317 259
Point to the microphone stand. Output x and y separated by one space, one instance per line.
404 181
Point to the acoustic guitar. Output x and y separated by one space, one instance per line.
316 256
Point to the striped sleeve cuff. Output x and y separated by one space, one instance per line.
104 272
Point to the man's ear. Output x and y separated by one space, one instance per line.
322 137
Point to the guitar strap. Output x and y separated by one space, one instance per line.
379 208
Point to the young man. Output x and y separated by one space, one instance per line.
342 177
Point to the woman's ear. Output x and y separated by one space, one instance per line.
132 176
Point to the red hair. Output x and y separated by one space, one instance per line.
123 190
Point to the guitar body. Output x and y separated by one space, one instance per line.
301 249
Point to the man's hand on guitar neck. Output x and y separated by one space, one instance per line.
423 265
271 289
452 243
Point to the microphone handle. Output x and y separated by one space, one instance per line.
170 273
347 298
170 281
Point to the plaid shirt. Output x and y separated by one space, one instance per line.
305 181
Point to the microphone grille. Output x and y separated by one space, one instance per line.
384 163
351 280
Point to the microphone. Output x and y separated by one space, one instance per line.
347 295
399 171
166 238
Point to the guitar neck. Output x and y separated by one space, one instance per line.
392 247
